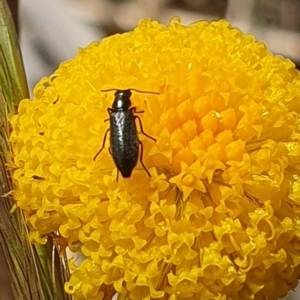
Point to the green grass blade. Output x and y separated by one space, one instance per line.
11 65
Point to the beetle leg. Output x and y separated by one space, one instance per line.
117 168
142 130
141 158
133 109
103 145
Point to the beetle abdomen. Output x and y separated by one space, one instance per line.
124 143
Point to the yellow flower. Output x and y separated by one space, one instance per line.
219 217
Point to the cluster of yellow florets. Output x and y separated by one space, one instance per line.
219 217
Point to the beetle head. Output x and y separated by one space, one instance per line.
122 100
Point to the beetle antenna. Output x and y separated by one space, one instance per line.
109 90
139 91
144 92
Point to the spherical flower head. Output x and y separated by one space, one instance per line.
219 216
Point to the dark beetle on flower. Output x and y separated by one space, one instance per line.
124 141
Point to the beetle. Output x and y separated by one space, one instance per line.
124 141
